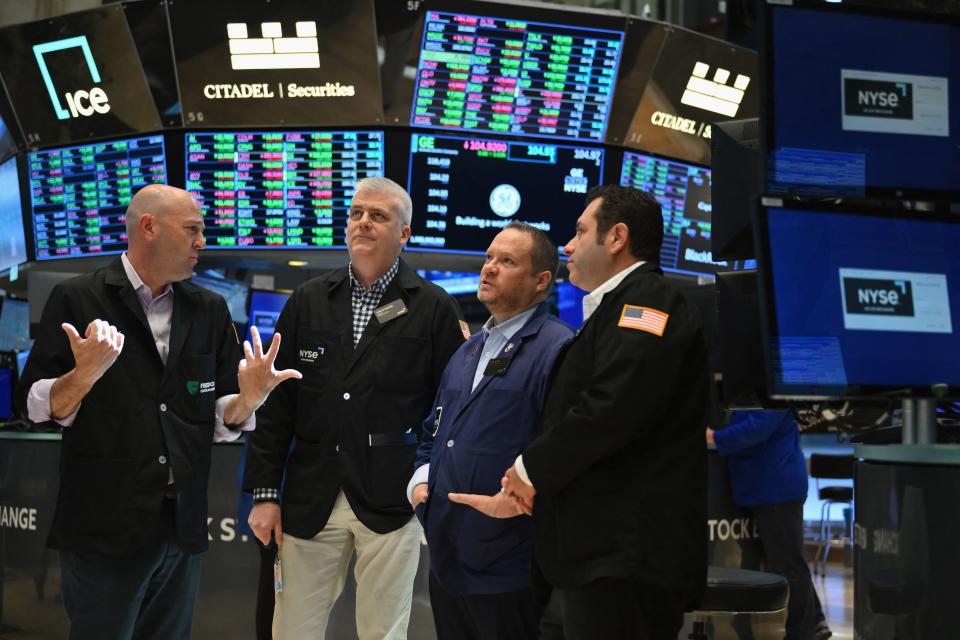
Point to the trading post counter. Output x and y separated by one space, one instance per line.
906 534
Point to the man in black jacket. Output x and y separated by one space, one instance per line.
142 396
616 480
372 340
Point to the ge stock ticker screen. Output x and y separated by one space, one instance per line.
279 190
512 76
79 195
466 190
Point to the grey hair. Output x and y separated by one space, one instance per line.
380 184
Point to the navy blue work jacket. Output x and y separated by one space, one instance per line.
470 439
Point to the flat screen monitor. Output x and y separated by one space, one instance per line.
233 291
859 301
250 63
697 82
76 77
523 70
455 283
740 343
570 303
684 192
15 325
465 190
279 190
79 195
264 310
13 249
862 102
737 183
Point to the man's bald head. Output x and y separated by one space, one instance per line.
159 200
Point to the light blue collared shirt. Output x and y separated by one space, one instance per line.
496 338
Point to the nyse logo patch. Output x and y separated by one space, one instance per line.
878 297
310 355
878 98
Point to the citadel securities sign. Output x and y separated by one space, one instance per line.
298 62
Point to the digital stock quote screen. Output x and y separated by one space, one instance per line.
279 190
515 76
79 195
683 191
465 190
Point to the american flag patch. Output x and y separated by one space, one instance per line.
464 329
644 319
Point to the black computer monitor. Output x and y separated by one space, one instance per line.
517 69
254 63
233 291
859 301
740 342
570 303
737 182
279 189
697 82
465 190
264 310
861 101
13 248
79 195
76 77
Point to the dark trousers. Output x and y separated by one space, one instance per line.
265 590
781 533
612 609
150 595
496 616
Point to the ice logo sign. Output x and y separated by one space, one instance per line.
272 50
505 200
82 102
714 95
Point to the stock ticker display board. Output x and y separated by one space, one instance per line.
514 76
79 195
466 190
279 190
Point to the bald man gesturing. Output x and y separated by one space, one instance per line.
140 368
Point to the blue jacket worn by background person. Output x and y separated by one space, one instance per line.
763 453
478 436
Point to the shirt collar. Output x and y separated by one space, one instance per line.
509 327
379 285
592 300
143 291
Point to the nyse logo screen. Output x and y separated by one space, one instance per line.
878 99
881 297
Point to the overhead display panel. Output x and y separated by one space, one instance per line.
465 190
76 77
257 63
13 250
696 82
279 190
521 70
79 195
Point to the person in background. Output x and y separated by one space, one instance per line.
768 476
487 409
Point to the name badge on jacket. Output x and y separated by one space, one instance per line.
497 367
390 311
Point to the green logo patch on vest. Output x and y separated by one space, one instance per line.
193 386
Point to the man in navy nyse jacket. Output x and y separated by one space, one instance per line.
486 411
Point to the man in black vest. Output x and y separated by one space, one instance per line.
616 480
372 340
142 395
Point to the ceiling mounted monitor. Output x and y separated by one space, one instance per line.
517 69
257 63
76 77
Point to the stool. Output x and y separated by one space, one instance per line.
732 591
830 467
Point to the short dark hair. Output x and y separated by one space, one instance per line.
637 209
544 255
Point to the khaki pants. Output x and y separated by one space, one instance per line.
314 572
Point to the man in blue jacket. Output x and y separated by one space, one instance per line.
768 476
487 409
